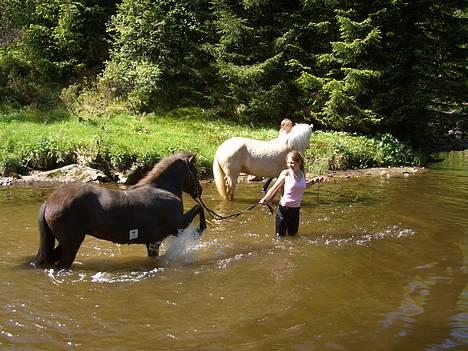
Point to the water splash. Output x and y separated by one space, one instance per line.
182 248
177 249
135 276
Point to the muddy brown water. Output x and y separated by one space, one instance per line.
378 264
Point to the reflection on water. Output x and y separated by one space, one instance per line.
378 264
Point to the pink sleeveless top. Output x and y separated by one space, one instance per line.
293 190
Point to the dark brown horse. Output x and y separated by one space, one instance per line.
146 213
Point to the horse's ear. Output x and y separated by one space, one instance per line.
192 158
311 126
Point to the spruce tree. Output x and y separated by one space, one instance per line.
157 58
251 54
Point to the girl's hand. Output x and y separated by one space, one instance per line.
314 180
318 179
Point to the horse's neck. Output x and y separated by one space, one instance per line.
168 184
169 180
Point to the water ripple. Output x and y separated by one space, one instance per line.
363 239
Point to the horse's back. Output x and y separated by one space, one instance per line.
230 148
239 148
76 204
68 194
111 214
258 157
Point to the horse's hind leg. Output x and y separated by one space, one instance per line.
47 241
230 182
56 253
68 251
153 248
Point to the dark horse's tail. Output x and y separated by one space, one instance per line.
47 241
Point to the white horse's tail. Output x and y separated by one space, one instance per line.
219 175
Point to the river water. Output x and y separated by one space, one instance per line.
378 264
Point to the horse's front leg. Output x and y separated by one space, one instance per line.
188 217
202 223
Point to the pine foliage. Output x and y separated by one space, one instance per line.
364 66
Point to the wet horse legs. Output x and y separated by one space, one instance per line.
188 217
67 250
153 248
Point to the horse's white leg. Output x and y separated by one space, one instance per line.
230 181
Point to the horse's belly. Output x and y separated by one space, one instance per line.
264 167
137 234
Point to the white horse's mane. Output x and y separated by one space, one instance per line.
299 137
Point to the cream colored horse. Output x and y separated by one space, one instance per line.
256 157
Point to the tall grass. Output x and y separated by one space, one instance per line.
30 139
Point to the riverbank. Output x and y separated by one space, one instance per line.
117 144
343 175
384 172
73 173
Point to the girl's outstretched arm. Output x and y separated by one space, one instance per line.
274 189
310 182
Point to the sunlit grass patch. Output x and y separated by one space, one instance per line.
30 139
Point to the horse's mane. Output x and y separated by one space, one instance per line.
299 137
162 166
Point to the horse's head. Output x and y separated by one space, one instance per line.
299 137
191 183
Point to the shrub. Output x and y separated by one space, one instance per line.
23 82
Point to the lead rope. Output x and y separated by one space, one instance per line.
217 216
197 197
318 187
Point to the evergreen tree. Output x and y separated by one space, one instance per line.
157 56
429 46
356 65
391 62
251 53
14 15
70 35
46 44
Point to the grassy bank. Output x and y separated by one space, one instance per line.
30 139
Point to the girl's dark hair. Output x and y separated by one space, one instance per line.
296 156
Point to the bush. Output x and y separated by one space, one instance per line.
135 81
23 82
339 151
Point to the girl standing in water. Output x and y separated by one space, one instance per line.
295 183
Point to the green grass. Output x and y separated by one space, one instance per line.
30 139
